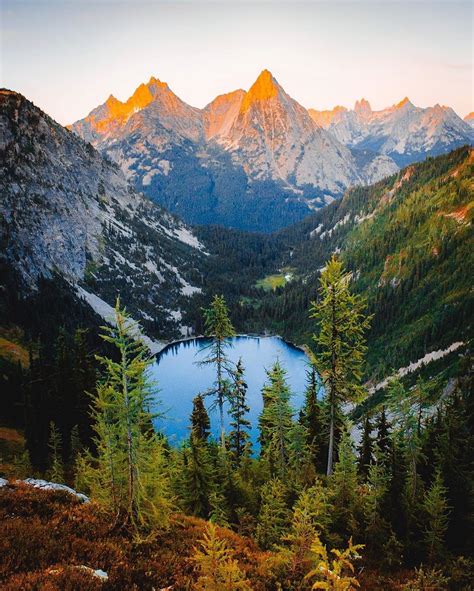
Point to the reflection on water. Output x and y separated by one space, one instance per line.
180 377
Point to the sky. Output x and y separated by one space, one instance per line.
68 56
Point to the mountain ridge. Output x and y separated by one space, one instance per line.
66 210
261 142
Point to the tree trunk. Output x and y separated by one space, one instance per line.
131 483
331 443
332 386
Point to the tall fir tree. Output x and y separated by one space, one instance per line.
239 436
218 328
129 473
312 419
365 448
340 343
273 517
275 420
344 488
196 482
200 423
436 518
382 437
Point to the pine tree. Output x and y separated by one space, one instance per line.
200 423
218 570
365 448
383 442
219 328
129 474
239 437
407 419
197 479
56 467
273 516
340 342
377 528
344 487
313 421
300 459
275 420
436 511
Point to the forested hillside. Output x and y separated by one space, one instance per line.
408 242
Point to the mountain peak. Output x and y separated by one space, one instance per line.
157 82
264 88
363 106
403 102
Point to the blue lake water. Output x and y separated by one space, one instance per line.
179 378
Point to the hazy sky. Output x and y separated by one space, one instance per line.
69 55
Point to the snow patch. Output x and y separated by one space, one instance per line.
403 371
106 311
184 235
316 231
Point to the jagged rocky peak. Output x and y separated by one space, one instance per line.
220 113
405 102
109 120
264 88
362 107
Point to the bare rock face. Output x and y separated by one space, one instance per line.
66 209
244 151
403 132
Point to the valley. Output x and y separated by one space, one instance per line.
235 442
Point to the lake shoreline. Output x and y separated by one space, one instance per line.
167 345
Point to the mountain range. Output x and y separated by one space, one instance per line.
69 214
66 211
258 160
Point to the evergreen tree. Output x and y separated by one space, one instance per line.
197 479
312 419
383 436
407 420
218 570
129 474
56 467
340 342
275 420
200 423
273 516
219 328
436 511
300 459
377 528
365 448
239 437
344 488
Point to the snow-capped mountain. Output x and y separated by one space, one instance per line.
404 132
67 210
